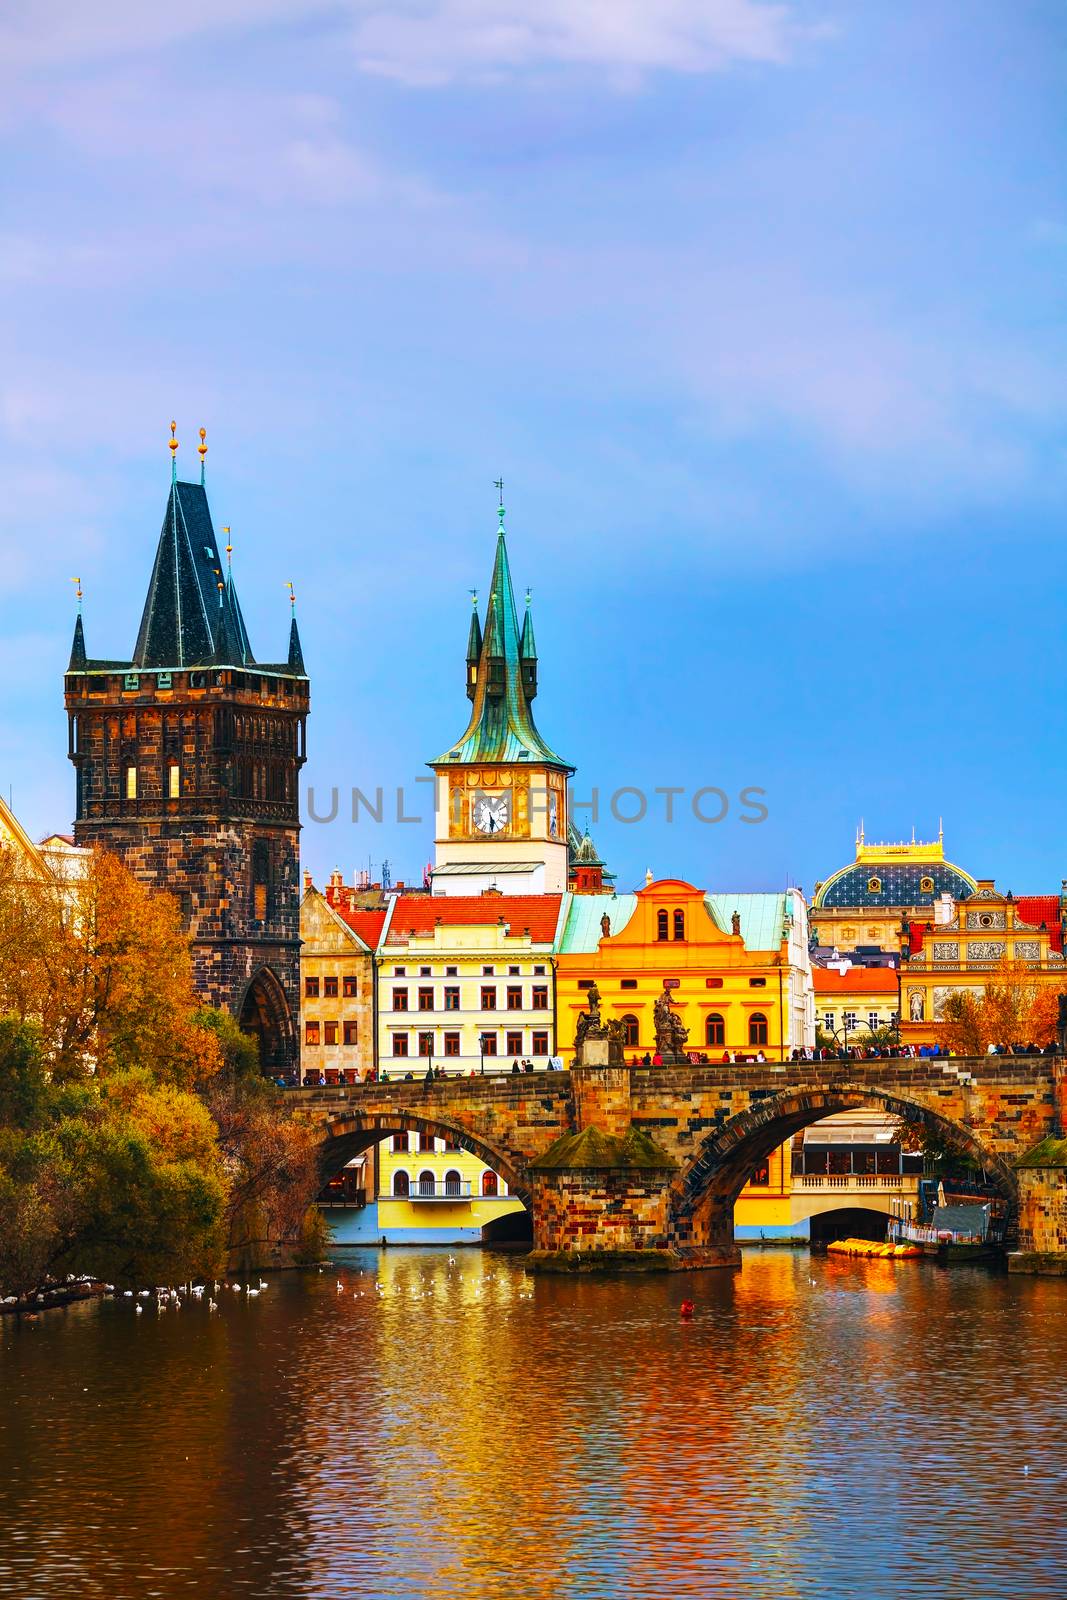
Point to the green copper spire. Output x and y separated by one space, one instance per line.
501 677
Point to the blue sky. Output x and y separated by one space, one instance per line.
757 308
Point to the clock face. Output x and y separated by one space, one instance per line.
491 812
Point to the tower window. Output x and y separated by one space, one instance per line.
662 925
174 781
131 783
874 885
679 924
260 879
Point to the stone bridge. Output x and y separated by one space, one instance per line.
641 1166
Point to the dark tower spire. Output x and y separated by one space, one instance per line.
528 653
77 661
474 646
296 654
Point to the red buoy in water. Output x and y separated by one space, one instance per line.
687 1310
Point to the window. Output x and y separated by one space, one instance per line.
131 783
757 983
873 1021
488 997
828 1021
311 988
174 781
514 996
714 1029
400 999
451 1044
849 1020
401 1184
424 972
539 972
426 1144
451 999
630 1031
400 1044
585 983
513 972
713 983
451 1142
400 972
513 1044
329 1033
757 1028
451 972
426 1183
760 1175
490 1184
351 1033
679 924
488 1044
400 1144
539 997
487 972
425 999
329 988
260 879
926 885
453 1182
628 983
662 925
540 1042
425 1044
259 902
311 1033
874 885
350 988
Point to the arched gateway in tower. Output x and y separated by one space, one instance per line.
187 758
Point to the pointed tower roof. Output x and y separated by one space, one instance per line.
474 638
77 661
501 727
528 644
296 654
183 622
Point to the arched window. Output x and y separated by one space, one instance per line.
714 1029
489 1183
679 924
874 885
757 1028
426 1183
662 925
401 1184
629 1030
453 1182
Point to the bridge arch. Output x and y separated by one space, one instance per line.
705 1191
263 1011
351 1132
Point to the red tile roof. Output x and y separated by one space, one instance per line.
420 914
1038 908
368 924
857 980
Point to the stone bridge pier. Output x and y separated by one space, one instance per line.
639 1168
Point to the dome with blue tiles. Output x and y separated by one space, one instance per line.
890 875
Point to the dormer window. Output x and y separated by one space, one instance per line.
874 885
926 885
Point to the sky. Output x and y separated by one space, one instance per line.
757 309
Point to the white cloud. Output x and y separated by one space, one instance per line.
429 42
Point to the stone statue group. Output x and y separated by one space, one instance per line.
671 1036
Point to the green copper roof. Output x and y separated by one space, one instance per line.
762 917
501 727
581 927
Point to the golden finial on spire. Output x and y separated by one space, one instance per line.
173 443
78 592
201 451
292 594
229 548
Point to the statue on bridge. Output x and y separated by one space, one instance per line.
596 1042
671 1036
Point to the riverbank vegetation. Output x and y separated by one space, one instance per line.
139 1142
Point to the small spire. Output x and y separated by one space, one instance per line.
77 661
201 451
172 443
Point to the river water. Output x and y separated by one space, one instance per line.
820 1428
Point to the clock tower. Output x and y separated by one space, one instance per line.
502 804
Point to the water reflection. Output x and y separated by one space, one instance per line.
445 1425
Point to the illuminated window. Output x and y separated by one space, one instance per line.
311 1033
490 1185
174 781
761 1175
131 783
329 1033
350 988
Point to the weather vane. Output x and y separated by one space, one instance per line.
78 592
292 594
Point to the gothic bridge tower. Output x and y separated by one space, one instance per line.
187 759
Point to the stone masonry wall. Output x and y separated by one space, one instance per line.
622 1210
